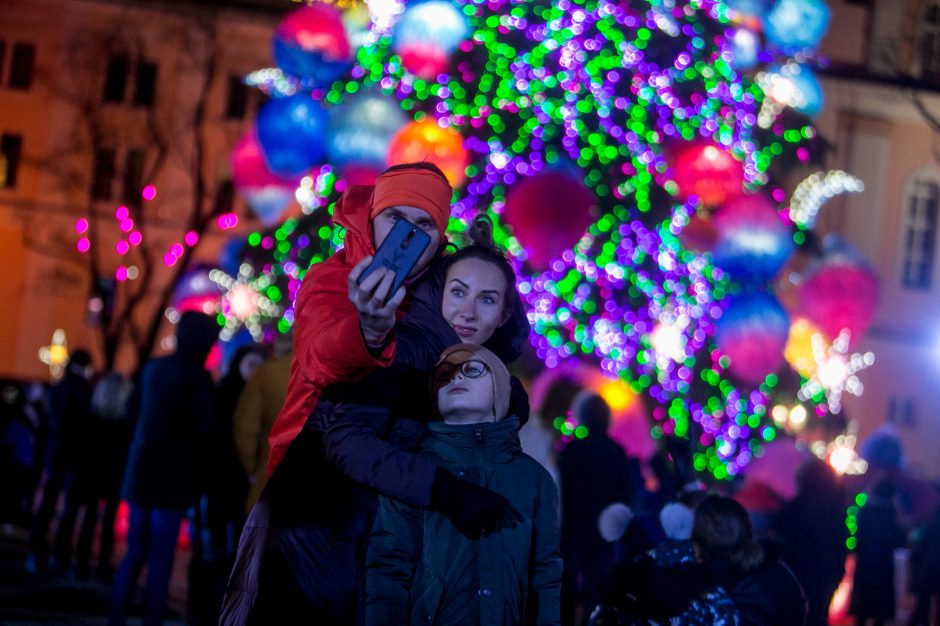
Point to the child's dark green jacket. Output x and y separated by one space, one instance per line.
422 570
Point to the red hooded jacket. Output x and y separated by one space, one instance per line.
328 345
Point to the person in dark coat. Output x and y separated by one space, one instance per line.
812 529
175 414
218 516
68 456
115 427
420 567
303 549
926 575
595 473
878 536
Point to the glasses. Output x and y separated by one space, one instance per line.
445 372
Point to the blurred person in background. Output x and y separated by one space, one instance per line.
595 472
260 402
812 529
70 425
175 407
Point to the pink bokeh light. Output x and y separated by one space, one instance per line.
227 220
83 244
122 247
135 238
127 225
149 192
81 225
176 250
121 273
169 259
121 213
191 238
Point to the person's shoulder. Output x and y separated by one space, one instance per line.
533 468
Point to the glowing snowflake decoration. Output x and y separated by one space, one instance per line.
835 371
56 354
246 301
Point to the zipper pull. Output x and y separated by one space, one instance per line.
479 434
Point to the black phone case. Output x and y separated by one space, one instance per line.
399 252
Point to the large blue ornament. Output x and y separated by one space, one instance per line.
361 131
292 132
753 244
753 333
794 25
750 8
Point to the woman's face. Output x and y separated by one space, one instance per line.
465 392
475 299
384 221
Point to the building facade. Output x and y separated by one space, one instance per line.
882 116
110 104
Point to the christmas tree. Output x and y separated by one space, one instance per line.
637 157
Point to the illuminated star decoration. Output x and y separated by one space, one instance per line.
248 301
56 355
814 191
835 371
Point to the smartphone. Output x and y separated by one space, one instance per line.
399 252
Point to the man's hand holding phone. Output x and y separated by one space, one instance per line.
376 316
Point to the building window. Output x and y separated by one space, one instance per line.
116 81
901 411
10 148
929 44
119 74
103 174
146 83
133 175
237 104
920 232
22 66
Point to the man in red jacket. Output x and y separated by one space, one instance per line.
343 330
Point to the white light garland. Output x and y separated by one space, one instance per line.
816 190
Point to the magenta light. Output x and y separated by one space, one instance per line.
191 238
134 238
127 224
227 220
121 273
122 247
121 213
81 225
176 250
149 192
83 244
169 259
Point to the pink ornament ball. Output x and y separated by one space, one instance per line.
708 172
549 213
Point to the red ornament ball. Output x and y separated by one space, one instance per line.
549 213
707 172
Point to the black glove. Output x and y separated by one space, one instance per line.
474 510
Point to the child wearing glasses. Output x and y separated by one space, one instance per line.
420 568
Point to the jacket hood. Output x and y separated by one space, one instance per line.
352 213
492 442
